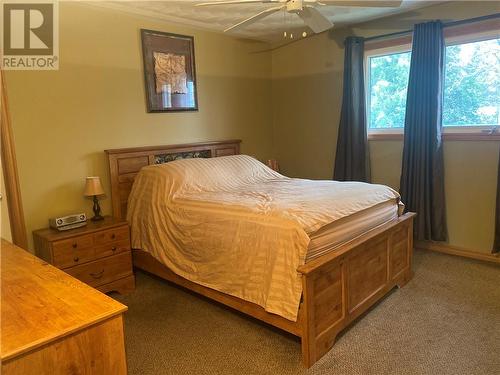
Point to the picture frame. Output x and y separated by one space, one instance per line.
169 72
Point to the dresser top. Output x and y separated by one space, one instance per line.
40 303
92 226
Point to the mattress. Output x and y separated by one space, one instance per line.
333 235
234 225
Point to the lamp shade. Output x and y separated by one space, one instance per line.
93 187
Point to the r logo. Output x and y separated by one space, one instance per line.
28 29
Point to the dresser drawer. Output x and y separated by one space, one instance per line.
75 243
109 235
112 248
104 270
69 258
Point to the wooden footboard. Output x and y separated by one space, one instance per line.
340 286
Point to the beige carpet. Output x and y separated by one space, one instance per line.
445 321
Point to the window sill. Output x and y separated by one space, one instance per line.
445 137
385 136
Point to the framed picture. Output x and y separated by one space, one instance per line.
169 71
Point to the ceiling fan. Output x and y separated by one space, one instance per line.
305 9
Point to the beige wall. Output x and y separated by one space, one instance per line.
307 92
63 120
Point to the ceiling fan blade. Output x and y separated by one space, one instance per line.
254 18
315 19
229 2
367 4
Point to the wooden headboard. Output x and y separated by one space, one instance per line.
125 163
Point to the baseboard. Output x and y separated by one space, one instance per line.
454 250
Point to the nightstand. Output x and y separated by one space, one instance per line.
98 254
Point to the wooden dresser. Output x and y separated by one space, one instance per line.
54 324
98 254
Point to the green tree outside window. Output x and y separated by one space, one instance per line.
471 94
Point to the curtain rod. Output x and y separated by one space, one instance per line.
447 24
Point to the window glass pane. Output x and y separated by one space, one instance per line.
472 84
388 83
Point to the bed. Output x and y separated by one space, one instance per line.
347 266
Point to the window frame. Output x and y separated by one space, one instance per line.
453 36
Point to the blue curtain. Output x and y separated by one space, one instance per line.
422 174
352 161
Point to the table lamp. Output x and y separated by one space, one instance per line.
93 188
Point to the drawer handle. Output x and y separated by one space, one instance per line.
76 259
113 248
75 245
113 236
97 275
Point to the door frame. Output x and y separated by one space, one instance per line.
10 174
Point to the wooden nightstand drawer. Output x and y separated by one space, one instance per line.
114 234
70 258
75 243
104 270
112 248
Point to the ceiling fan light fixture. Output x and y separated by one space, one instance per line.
294 6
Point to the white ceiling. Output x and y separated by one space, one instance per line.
271 28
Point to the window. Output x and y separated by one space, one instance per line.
471 92
388 83
472 84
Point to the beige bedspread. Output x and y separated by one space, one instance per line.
235 225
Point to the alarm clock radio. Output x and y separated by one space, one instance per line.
68 222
